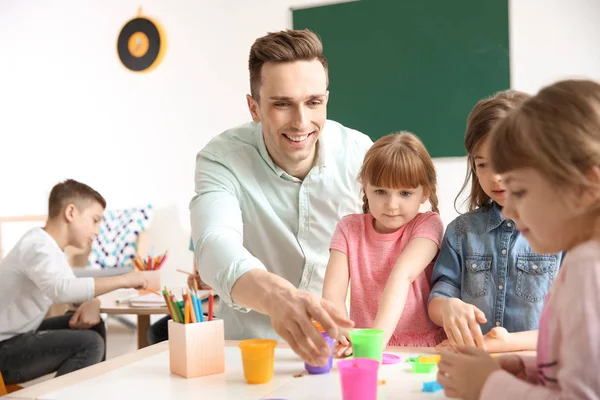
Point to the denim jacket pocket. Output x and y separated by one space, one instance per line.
535 274
477 274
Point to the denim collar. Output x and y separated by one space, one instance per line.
496 217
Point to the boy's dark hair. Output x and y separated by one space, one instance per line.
71 192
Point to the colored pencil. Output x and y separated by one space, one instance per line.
211 301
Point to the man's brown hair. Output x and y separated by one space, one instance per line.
71 192
280 47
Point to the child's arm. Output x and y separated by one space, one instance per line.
337 278
86 316
459 319
335 289
499 340
134 279
414 259
43 270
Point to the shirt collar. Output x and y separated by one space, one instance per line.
496 217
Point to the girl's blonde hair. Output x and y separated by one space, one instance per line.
482 119
396 161
556 132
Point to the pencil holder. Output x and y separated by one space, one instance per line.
197 349
153 278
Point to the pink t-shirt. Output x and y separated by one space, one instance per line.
371 258
568 356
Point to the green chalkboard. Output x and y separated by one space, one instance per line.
417 65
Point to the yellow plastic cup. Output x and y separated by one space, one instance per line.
258 358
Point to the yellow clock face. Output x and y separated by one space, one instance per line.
141 44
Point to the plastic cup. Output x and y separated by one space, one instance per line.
258 359
359 378
367 343
316 370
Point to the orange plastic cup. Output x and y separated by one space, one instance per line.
258 359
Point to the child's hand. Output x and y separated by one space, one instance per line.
342 348
513 365
461 323
497 340
135 280
86 315
464 373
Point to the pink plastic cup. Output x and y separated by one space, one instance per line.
359 378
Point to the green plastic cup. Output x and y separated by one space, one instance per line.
367 343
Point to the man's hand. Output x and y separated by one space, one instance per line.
291 311
86 315
196 278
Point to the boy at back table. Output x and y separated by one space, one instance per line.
36 274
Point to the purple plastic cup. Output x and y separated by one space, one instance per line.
359 378
316 370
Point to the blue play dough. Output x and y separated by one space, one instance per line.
432 387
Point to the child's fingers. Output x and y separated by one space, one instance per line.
480 315
478 337
443 345
75 317
344 341
466 333
457 335
450 334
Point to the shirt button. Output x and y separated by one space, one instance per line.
473 266
497 323
509 225
500 287
534 266
503 251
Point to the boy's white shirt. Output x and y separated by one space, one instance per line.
34 275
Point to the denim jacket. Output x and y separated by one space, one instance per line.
486 262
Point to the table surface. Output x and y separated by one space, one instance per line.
109 305
145 374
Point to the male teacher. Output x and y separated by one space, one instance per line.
269 194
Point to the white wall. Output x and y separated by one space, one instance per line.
67 104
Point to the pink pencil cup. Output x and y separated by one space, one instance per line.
359 378
153 278
197 349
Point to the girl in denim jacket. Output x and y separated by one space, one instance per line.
489 285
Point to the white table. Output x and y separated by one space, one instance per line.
145 374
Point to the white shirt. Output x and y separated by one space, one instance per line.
34 275
250 214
